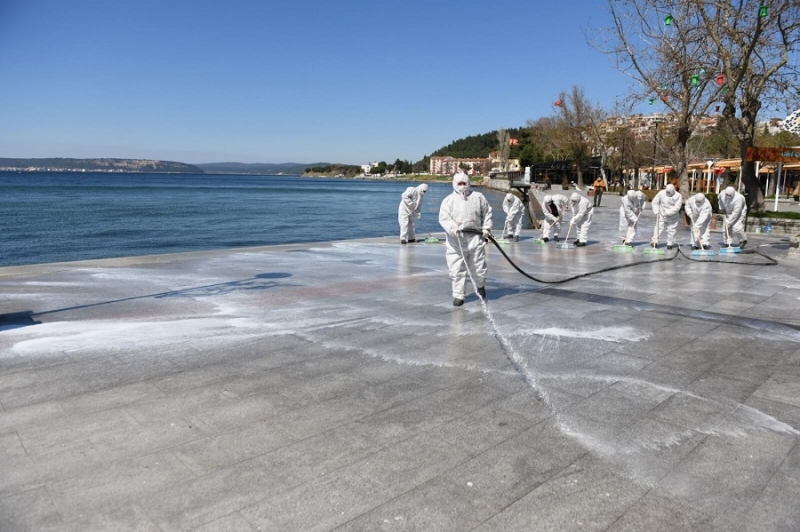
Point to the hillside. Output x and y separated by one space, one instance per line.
257 168
58 164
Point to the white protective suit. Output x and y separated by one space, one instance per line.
629 212
699 211
553 209
514 209
733 206
409 208
582 211
461 211
642 199
667 208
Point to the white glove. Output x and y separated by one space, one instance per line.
486 234
419 215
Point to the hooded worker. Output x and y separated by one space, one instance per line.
699 211
629 211
642 199
466 217
514 209
733 206
667 208
553 209
409 209
582 211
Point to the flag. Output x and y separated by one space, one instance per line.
513 142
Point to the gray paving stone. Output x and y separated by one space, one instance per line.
29 510
586 495
204 392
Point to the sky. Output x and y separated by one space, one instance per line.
275 81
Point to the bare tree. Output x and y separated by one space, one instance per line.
754 45
577 128
662 46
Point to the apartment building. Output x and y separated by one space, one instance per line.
446 165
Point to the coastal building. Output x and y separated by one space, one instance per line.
367 168
446 165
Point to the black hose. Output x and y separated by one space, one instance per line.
772 262
617 267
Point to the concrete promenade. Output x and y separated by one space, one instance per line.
333 386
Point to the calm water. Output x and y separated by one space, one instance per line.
54 217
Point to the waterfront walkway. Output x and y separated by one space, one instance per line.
333 386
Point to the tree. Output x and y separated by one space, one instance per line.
576 125
504 147
662 46
754 45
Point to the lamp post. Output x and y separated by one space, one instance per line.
708 183
655 145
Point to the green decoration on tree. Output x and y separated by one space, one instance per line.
695 79
668 20
762 10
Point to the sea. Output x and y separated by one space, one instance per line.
63 216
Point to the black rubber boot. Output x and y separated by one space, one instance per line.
482 292
458 302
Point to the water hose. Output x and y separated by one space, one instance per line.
559 281
678 251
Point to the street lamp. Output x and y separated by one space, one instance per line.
655 145
708 183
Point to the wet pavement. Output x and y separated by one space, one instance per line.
333 386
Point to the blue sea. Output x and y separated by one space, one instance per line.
55 217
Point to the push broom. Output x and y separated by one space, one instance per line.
654 250
702 251
503 239
565 245
627 248
430 238
729 248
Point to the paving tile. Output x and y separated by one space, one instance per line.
80 496
584 496
783 388
352 394
29 510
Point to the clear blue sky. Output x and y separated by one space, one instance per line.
345 81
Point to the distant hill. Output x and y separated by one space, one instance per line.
58 164
258 168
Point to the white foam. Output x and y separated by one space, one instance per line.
617 334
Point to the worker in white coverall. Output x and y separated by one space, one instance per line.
642 199
410 204
667 208
514 209
699 211
733 206
582 211
553 209
629 211
466 217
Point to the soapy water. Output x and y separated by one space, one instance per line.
628 451
230 323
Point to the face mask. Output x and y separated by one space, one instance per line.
461 188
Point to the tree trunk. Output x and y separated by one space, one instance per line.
752 184
579 172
